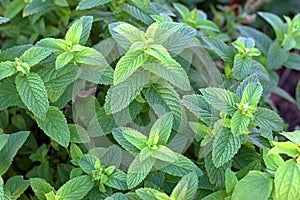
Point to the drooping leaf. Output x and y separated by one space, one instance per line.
35 55
40 187
276 23
15 186
7 69
268 119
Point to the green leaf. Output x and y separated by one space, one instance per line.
175 74
128 64
162 129
120 96
59 79
119 137
74 33
9 95
188 184
267 119
183 11
241 66
40 187
224 51
293 61
87 163
142 4
7 69
298 94
252 94
138 171
55 126
163 98
33 93
75 153
3 140
63 59
276 23
13 8
293 136
78 134
15 186
88 4
117 180
262 41
216 195
277 56
8 152
216 175
255 185
208 25
286 185
134 137
225 146
230 181
239 123
35 55
253 79
221 99
181 167
287 148
137 13
76 188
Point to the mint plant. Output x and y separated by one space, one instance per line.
119 99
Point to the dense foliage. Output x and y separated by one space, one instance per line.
140 99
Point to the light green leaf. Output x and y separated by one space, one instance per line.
128 64
78 134
164 154
276 23
221 194
8 152
208 25
3 140
293 61
162 129
63 59
230 181
7 69
55 126
35 55
175 74
252 94
272 161
89 56
119 137
137 13
55 45
253 79
88 4
138 171
241 66
87 163
161 53
188 184
239 123
74 33
286 185
287 148
120 96
15 186
33 93
293 136
268 119
130 32
255 185
221 99
76 188
134 137
151 194
183 11
40 187
13 8
225 146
